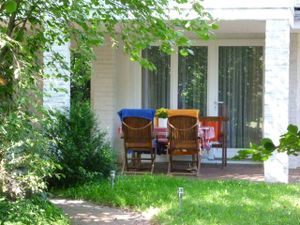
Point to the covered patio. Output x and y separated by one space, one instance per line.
250 172
269 43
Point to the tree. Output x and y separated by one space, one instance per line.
29 28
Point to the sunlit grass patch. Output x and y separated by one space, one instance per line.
204 201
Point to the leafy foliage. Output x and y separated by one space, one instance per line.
25 161
162 113
80 147
288 142
80 76
133 25
33 211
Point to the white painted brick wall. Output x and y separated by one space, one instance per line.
294 93
276 98
103 88
293 79
52 99
276 94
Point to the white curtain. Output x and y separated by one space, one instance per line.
156 84
241 90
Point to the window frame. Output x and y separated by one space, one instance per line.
212 71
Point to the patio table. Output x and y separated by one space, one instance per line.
205 133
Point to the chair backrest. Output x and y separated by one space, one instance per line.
219 123
183 132
137 130
183 112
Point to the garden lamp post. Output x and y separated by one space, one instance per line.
112 177
180 196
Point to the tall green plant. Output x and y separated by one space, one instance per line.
288 142
80 147
25 160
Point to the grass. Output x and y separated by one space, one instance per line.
30 211
205 201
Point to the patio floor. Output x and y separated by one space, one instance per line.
231 171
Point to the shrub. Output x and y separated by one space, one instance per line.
80 147
36 210
25 161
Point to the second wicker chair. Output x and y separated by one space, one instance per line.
183 140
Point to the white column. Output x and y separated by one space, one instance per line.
294 104
276 94
57 90
212 80
297 75
104 89
174 81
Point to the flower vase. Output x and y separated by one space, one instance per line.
162 122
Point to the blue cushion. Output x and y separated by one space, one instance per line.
141 113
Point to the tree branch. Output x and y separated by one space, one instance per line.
10 28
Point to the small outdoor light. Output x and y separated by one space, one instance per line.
180 196
112 177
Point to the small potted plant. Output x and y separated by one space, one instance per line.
162 115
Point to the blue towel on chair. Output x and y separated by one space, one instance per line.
141 113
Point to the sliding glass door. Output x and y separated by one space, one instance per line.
213 74
192 80
156 83
241 91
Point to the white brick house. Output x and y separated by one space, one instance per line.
260 31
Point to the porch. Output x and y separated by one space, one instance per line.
245 171
265 34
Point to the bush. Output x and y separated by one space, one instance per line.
25 160
30 211
80 147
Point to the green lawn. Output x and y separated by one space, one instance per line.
205 201
34 211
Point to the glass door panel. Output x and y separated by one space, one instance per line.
192 80
241 91
156 84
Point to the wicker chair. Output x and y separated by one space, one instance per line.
183 139
138 140
219 123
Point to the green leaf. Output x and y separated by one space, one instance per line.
258 157
197 7
184 52
181 1
293 129
11 6
182 40
268 144
215 26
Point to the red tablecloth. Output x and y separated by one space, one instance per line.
205 133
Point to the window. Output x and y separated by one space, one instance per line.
226 72
156 84
192 80
241 90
